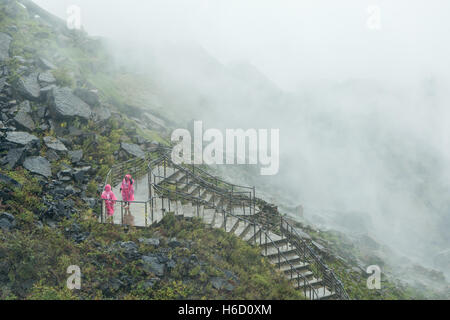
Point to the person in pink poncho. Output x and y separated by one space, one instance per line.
127 190
110 200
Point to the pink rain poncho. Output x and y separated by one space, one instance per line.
110 198
127 188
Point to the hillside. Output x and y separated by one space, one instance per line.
67 115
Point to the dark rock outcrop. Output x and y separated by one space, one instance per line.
7 221
76 156
150 241
101 113
24 121
152 264
54 144
15 157
133 150
46 78
88 96
28 86
65 105
21 138
38 165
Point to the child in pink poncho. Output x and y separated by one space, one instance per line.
127 190
110 198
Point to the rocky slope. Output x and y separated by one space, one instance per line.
64 121
62 126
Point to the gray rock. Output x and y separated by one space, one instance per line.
173 243
112 285
24 121
7 216
38 165
47 90
2 83
29 87
101 113
46 78
130 249
88 96
9 181
5 41
133 150
66 105
150 241
6 225
21 138
52 156
220 283
152 264
79 174
76 156
91 202
41 111
15 157
7 221
45 64
54 144
150 283
25 106
128 245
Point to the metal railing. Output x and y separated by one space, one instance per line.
320 268
228 196
264 238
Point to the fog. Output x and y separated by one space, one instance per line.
362 106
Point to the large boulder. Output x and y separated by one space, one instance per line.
133 150
28 86
45 64
24 121
21 138
38 165
46 78
76 156
150 241
6 223
101 113
88 96
54 144
15 157
65 105
5 41
153 264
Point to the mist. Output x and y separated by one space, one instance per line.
363 112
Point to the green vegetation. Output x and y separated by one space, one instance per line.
37 259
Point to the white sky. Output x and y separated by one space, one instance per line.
290 41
